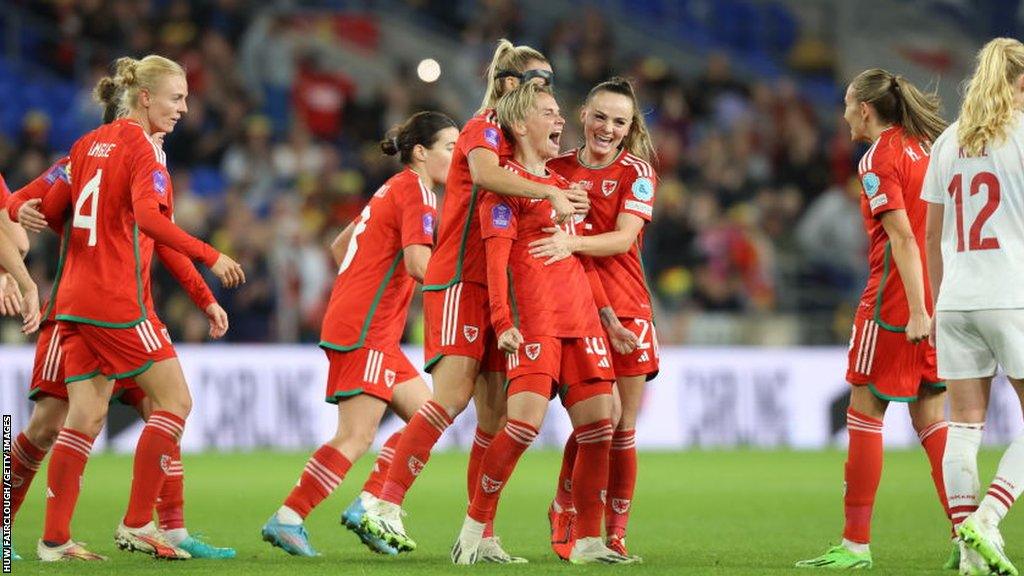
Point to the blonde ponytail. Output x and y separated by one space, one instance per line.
989 98
507 57
131 76
898 101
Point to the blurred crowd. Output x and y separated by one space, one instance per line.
757 208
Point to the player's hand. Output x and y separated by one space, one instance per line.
30 217
918 328
510 340
30 310
564 209
623 340
228 271
10 296
579 198
559 246
218 320
931 333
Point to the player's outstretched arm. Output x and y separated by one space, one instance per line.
908 262
487 173
560 245
10 260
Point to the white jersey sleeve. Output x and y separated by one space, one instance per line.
982 223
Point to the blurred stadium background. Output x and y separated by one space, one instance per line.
756 256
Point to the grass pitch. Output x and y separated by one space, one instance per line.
740 512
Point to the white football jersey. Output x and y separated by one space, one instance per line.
983 221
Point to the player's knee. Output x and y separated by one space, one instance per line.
42 433
453 401
179 404
356 440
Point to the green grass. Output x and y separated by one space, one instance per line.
743 512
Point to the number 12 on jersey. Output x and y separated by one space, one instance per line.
956 190
91 190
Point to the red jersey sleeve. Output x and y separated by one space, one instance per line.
56 205
418 209
149 177
187 276
497 250
638 191
57 177
480 133
498 216
881 184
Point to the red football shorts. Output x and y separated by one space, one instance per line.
458 323
367 371
113 352
885 362
48 372
644 360
578 368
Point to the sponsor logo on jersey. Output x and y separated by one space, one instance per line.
470 332
501 216
491 136
389 378
608 186
644 357
532 351
428 224
489 485
415 465
643 189
160 182
878 201
620 505
639 207
871 184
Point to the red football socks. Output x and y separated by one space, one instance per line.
324 471
170 505
563 495
497 466
863 473
153 456
933 439
481 441
590 476
375 481
413 450
25 462
64 482
621 482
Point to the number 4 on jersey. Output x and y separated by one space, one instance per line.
91 190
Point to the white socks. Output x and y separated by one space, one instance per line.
960 469
175 536
1006 486
286 515
856 547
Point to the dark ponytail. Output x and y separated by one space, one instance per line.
420 129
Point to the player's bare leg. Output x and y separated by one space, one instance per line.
980 530
454 380
165 386
862 475
87 410
407 399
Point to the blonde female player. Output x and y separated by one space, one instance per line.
386 255
460 343
975 194
120 189
47 389
889 359
614 167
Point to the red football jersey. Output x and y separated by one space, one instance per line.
459 256
624 186
102 281
554 300
371 294
891 174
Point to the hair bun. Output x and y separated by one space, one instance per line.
389 146
126 67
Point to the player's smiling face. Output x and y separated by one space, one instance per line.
544 126
855 115
606 119
166 104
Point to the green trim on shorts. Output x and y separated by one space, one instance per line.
457 277
33 393
131 373
80 377
339 396
429 366
940 385
881 396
